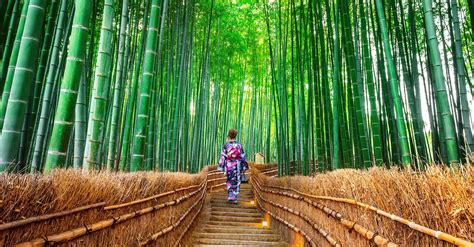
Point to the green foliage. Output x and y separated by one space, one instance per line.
314 85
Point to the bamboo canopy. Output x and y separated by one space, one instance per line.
155 85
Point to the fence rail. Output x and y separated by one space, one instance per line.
312 201
203 187
45 217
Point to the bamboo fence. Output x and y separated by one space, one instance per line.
315 202
350 225
176 207
323 232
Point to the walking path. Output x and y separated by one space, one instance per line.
227 224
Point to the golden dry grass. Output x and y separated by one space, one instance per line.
23 196
439 198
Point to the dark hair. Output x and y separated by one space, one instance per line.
232 133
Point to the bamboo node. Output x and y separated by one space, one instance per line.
115 219
46 240
372 239
87 229
352 227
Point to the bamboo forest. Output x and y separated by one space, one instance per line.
124 122
154 85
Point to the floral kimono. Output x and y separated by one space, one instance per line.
233 163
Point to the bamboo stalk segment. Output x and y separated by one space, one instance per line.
289 225
170 228
151 197
270 171
44 217
214 172
211 188
190 223
216 179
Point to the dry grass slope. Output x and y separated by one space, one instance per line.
23 196
439 198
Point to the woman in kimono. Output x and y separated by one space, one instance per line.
232 162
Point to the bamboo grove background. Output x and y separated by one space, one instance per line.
155 84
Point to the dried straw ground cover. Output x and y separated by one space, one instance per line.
439 198
24 196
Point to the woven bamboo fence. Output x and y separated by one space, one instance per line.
116 209
215 179
331 220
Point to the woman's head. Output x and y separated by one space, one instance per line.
232 133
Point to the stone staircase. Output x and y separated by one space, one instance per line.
227 224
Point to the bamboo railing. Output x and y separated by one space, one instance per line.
350 225
379 240
190 222
288 224
87 229
45 217
152 197
315 226
34 219
155 236
417 227
213 181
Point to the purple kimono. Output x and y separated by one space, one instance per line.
233 163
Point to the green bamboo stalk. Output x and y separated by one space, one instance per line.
21 83
44 56
140 130
47 97
80 124
466 133
336 154
117 101
98 109
12 63
446 118
7 51
64 116
394 88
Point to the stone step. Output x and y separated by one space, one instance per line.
236 213
233 208
224 223
239 203
227 208
226 203
251 226
238 236
241 193
240 245
222 195
234 224
234 229
227 242
239 197
226 219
